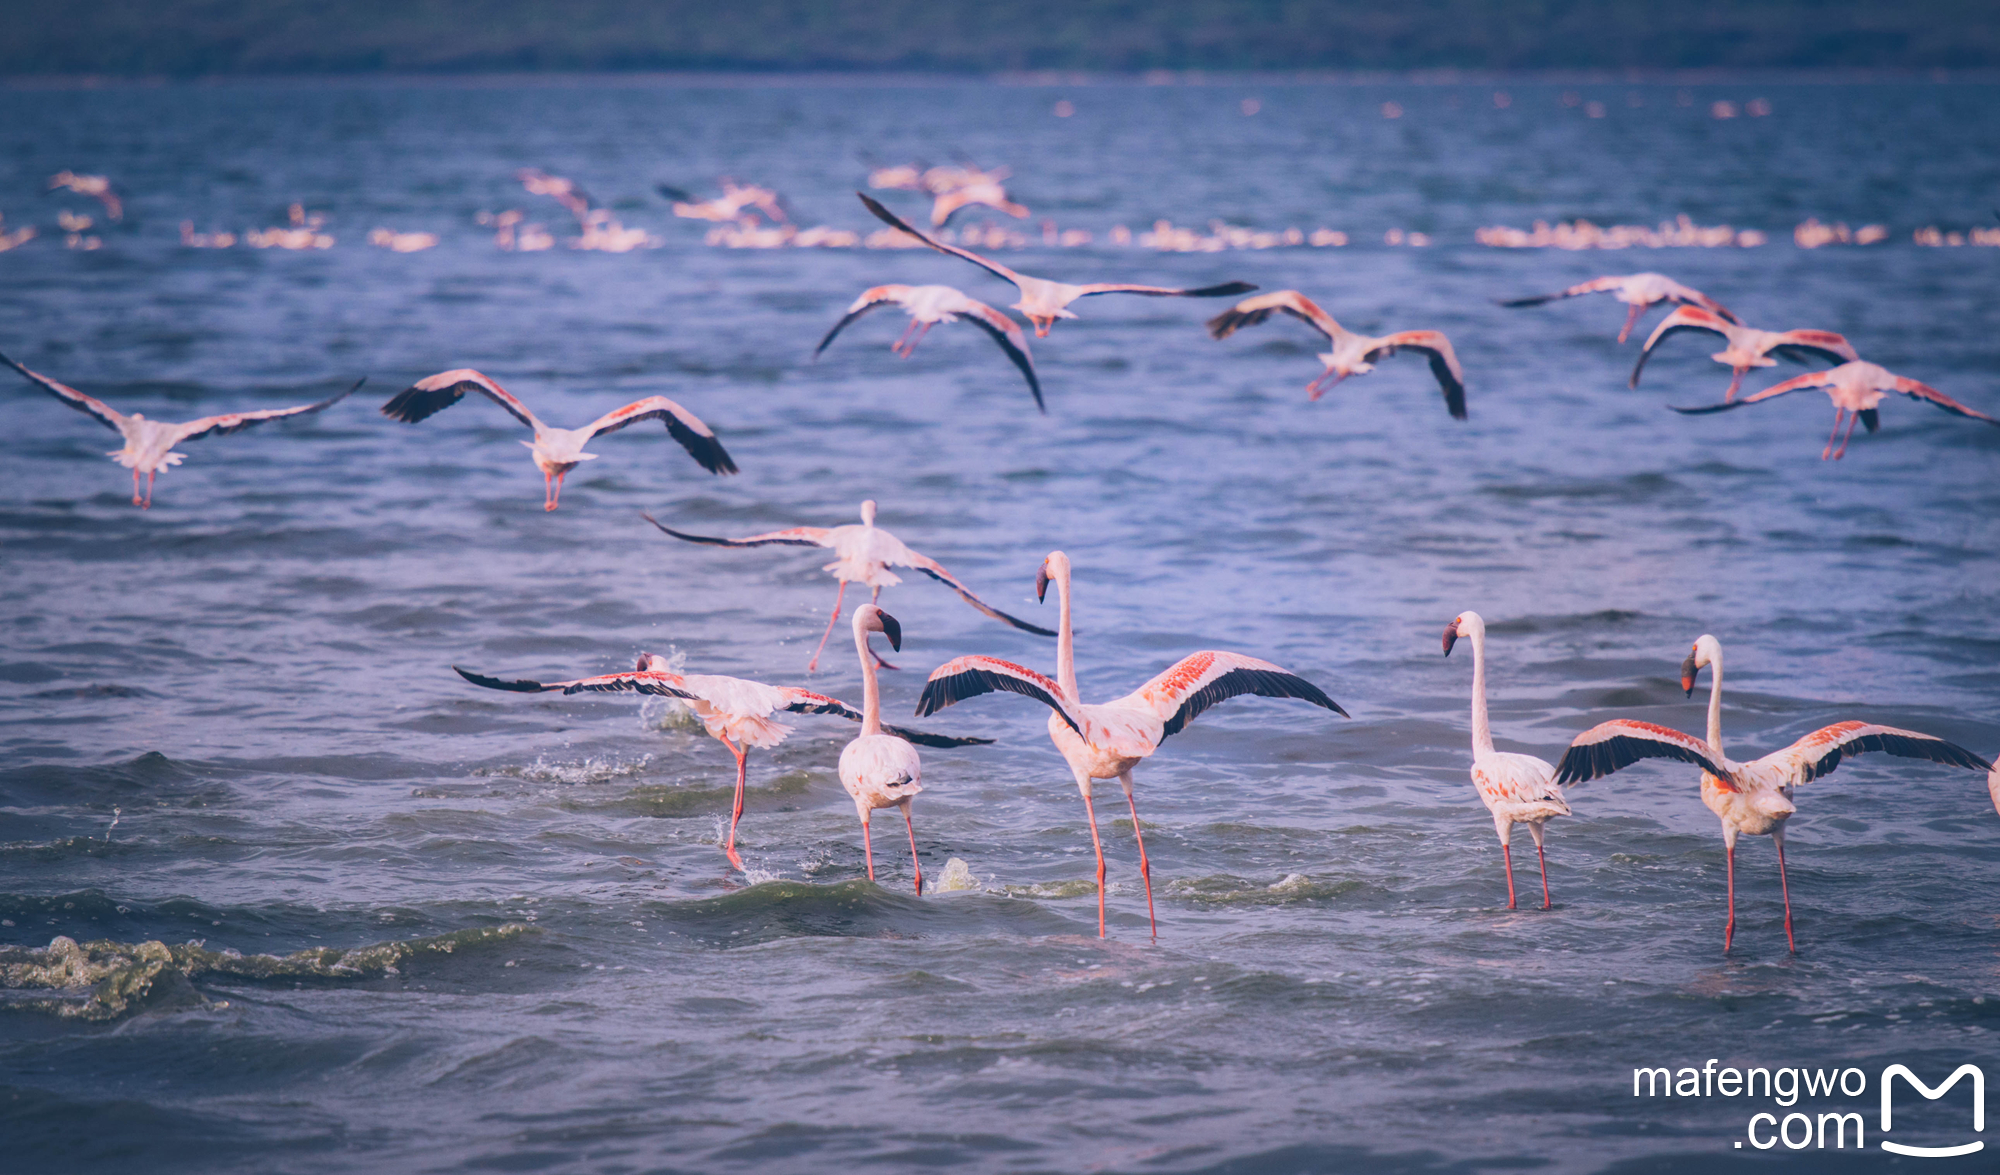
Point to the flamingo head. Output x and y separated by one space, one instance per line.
1707 651
868 512
653 663
1056 567
869 618
1466 624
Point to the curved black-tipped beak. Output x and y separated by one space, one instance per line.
1688 670
1042 584
1450 635
891 629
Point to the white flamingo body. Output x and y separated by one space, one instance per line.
1107 740
930 306
1745 347
880 770
1753 798
862 554
1516 789
1638 291
556 451
1857 390
1043 301
149 444
1352 354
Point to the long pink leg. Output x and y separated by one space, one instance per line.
1852 418
1546 903
1507 854
868 848
1145 869
1786 889
137 500
1099 846
1838 415
914 863
548 491
1735 382
1729 927
736 814
903 340
555 495
812 666
910 348
1321 387
1631 316
150 474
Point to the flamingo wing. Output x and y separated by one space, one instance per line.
1808 346
894 221
1608 746
1821 751
798 536
1598 285
1444 363
1812 379
659 684
684 426
966 677
1200 680
1918 391
1225 290
1008 334
90 405
238 421
433 394
1688 295
1251 311
1684 318
931 567
869 300
800 701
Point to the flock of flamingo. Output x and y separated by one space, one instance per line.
881 768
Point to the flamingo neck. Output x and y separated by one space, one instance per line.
1482 729
1715 703
871 691
1066 642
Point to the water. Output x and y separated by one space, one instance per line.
252 680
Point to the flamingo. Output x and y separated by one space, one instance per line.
1517 789
1637 291
1746 347
562 190
1107 741
864 554
90 185
928 306
727 207
149 444
880 770
558 450
1754 798
1352 354
734 711
955 188
1855 388
1043 301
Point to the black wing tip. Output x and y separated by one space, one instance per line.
519 687
411 405
1224 290
1708 408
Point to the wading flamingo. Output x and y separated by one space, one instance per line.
1352 354
879 770
1746 347
865 553
1856 390
1637 291
1754 798
558 450
1107 741
928 306
1043 301
149 444
96 186
737 713
1517 789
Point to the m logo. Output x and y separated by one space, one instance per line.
1889 1076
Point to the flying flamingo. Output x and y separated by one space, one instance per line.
955 188
879 770
90 185
739 714
1352 354
1754 798
1043 301
928 306
727 207
1856 388
1746 347
865 553
1107 741
558 450
563 191
1637 291
1518 789
149 444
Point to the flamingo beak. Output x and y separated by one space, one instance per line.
1450 635
1688 671
891 629
1042 584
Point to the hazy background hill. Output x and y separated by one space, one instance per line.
194 37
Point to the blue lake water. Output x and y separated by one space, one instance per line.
252 679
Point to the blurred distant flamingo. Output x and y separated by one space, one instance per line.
1517 789
563 191
928 306
90 185
1855 388
879 770
1747 347
149 444
955 188
1754 798
729 206
1107 741
1352 354
1637 291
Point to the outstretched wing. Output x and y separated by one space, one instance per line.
869 300
434 394
1684 318
935 569
684 426
1821 751
1444 363
798 536
1596 285
1008 334
1811 379
1917 391
1251 311
1809 346
1225 290
1608 746
890 218
238 421
1689 296
1196 682
801 701
105 414
967 677
659 684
